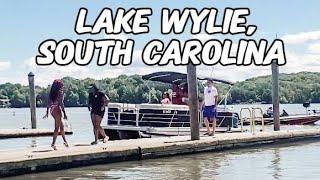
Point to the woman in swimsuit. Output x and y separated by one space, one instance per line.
56 106
166 99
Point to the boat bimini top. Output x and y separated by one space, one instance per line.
177 78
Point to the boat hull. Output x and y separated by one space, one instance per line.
292 120
116 132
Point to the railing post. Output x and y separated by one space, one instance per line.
137 117
32 100
225 102
119 116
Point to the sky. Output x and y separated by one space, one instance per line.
25 24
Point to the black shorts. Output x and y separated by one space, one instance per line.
99 113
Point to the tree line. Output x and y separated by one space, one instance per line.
294 88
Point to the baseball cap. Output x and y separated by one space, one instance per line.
92 86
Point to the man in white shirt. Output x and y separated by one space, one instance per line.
210 107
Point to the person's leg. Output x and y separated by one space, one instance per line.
210 125
56 114
206 119
214 124
96 129
63 134
55 132
214 121
100 129
93 119
206 122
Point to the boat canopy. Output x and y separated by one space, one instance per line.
177 78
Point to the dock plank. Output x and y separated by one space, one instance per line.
44 159
18 133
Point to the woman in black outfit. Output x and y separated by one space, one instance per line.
97 104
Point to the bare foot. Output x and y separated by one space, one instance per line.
53 147
66 144
106 139
207 133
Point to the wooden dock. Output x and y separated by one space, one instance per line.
19 133
42 159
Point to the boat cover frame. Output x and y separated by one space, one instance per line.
177 78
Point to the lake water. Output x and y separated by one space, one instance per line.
293 161
289 161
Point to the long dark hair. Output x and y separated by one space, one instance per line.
55 88
167 95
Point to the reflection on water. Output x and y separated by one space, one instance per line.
289 161
275 164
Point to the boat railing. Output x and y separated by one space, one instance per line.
223 118
168 116
144 117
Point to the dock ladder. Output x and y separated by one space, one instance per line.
253 114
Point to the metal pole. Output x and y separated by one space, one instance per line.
32 100
225 102
193 102
275 95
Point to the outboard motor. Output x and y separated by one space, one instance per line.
306 105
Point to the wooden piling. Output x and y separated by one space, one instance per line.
275 95
193 102
32 100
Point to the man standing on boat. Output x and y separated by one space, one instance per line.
97 104
210 106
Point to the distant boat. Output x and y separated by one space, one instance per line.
4 103
296 119
299 119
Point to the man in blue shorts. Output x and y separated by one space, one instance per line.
210 107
